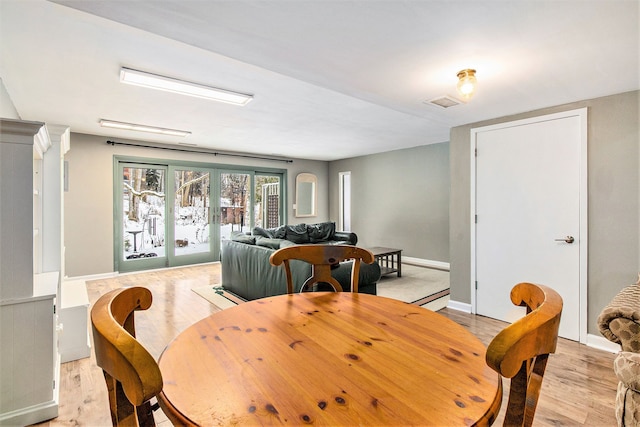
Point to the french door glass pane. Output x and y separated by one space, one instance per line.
235 198
266 207
191 212
143 213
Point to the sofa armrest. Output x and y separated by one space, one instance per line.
619 321
346 236
627 368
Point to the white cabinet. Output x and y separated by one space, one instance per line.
73 318
29 371
29 361
16 207
73 302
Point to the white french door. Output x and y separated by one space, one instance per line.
191 210
141 214
234 203
530 215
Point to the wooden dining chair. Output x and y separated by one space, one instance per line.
322 258
131 373
521 350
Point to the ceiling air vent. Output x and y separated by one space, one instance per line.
444 101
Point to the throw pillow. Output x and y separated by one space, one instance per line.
259 231
243 238
321 232
279 233
297 233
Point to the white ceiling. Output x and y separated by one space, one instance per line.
331 79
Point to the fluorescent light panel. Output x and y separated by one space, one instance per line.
154 81
142 128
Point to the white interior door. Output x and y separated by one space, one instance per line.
529 211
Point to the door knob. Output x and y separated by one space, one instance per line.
568 239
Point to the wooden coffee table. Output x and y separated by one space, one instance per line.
389 259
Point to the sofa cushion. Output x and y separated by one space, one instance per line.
262 232
627 368
270 233
269 243
321 232
297 233
619 321
627 406
284 243
240 237
369 273
279 232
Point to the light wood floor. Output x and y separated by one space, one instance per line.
579 387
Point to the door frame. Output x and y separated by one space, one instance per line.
344 190
581 113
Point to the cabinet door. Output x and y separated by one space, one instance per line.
28 352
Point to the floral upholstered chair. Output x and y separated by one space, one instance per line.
619 322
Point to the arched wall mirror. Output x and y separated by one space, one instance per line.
306 195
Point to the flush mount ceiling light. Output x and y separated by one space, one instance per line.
142 128
154 81
467 83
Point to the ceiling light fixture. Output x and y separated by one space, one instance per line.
154 81
467 83
142 128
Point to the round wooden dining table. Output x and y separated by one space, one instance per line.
325 358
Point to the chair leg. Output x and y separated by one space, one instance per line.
122 411
517 392
535 385
524 392
113 402
145 415
289 277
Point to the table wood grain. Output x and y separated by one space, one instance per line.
329 359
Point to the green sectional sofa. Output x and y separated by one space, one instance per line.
247 272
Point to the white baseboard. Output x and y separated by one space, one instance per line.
92 277
601 343
460 306
420 262
595 341
31 415
112 274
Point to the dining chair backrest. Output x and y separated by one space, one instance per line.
521 350
130 371
322 258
